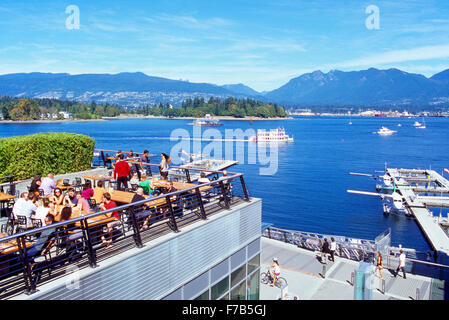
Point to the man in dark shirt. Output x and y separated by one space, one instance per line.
144 159
45 240
141 211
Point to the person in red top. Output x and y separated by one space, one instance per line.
105 205
121 172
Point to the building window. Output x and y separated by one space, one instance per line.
238 275
203 296
238 293
253 287
219 288
253 264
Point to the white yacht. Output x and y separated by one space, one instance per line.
207 121
417 124
421 126
274 135
384 131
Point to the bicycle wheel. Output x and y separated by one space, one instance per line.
263 278
280 282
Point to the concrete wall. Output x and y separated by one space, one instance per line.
176 263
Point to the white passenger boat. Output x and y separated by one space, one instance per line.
274 135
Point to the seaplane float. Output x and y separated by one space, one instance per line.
392 199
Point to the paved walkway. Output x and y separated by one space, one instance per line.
304 274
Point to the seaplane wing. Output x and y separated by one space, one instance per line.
382 195
362 174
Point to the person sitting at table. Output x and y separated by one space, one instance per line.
121 173
70 199
140 210
45 240
82 204
99 191
28 208
57 198
147 185
48 184
174 199
42 210
17 208
203 178
134 180
169 188
72 233
35 184
106 205
87 191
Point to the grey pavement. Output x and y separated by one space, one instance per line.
304 273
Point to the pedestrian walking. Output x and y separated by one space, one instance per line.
332 248
324 251
401 264
379 265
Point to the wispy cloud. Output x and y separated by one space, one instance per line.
191 22
397 56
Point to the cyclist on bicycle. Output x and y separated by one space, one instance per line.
277 270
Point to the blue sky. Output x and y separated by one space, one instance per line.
260 43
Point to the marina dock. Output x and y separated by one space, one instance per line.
411 183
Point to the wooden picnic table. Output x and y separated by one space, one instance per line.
180 185
11 246
91 222
98 177
127 197
4 196
63 187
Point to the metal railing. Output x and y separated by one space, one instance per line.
175 172
87 240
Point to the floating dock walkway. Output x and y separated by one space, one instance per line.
406 182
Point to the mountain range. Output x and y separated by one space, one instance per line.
372 87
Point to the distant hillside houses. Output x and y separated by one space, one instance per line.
59 115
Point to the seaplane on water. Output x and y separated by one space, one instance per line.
392 199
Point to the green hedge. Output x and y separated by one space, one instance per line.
43 153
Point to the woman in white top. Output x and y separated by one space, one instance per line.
203 178
42 210
277 270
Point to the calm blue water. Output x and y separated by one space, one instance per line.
308 192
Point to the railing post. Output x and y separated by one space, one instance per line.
200 200
383 285
245 191
417 294
27 273
225 196
172 224
285 237
136 232
269 233
352 278
88 240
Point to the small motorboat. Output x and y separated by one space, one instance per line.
384 131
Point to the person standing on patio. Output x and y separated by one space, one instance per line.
324 251
144 158
401 264
332 248
48 184
121 172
